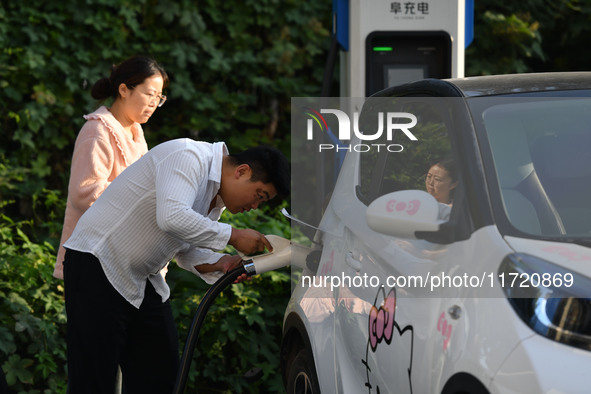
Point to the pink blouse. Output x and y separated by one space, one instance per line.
102 151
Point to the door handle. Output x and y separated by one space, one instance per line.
352 261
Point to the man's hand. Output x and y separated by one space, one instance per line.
225 264
229 263
249 241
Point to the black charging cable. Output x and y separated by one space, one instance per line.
204 305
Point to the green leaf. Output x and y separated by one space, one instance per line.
7 345
16 370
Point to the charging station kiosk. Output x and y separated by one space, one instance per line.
380 44
386 43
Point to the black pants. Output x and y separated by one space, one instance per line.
105 331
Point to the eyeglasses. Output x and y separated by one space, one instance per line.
159 99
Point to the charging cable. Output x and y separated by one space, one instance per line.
204 305
280 257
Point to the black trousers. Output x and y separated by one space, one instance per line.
105 331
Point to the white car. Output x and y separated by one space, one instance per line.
484 291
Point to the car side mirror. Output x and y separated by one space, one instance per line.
403 213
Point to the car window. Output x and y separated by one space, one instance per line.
404 165
540 154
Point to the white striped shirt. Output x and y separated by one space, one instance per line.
153 211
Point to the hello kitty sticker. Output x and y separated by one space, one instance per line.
381 321
411 207
387 341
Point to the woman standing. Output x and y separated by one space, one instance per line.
112 138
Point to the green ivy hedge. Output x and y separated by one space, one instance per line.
32 313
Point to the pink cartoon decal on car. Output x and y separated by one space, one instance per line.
445 329
381 321
411 207
387 341
327 266
565 251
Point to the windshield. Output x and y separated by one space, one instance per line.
539 156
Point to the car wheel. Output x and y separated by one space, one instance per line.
302 377
463 383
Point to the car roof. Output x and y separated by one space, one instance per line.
522 83
493 85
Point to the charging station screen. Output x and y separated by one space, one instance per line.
397 75
396 57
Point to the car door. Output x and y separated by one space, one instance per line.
381 327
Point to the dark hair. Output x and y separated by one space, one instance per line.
132 72
448 165
268 165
